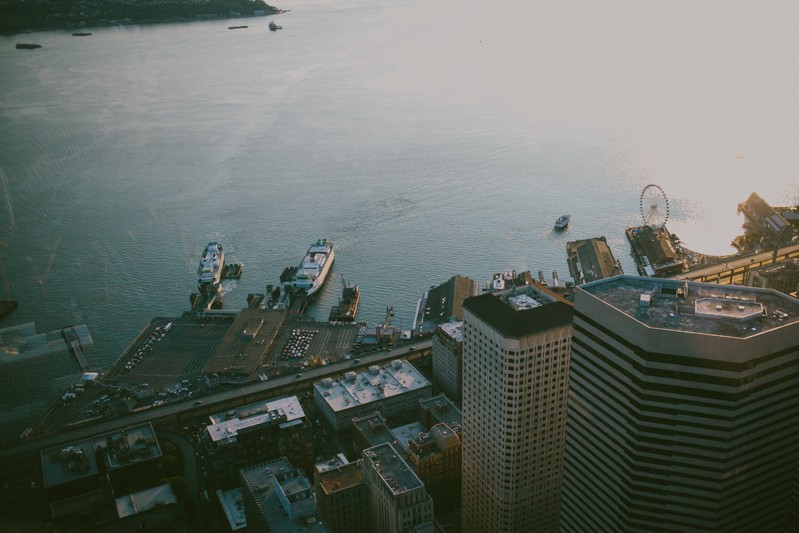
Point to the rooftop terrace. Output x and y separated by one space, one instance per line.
726 310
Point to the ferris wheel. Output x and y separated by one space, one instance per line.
654 206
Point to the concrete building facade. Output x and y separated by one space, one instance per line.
447 353
278 498
683 408
399 501
342 496
516 346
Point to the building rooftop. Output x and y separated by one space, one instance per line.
77 460
144 500
331 464
441 409
440 438
232 502
341 478
521 311
376 383
453 330
226 426
283 496
725 310
408 432
373 429
394 471
128 445
68 463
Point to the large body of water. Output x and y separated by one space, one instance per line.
425 139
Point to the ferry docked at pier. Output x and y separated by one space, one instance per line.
209 273
313 269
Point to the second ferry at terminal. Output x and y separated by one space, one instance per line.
313 269
209 272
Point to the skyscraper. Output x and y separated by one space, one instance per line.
516 347
683 407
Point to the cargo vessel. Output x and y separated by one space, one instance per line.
27 46
313 269
209 272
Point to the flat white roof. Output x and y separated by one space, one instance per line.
227 427
376 383
454 330
405 434
232 502
138 502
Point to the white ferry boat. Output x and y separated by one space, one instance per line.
562 221
313 269
210 271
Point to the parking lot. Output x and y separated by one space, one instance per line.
170 350
308 344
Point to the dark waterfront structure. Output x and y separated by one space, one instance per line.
591 260
763 219
682 408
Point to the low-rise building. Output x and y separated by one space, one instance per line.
256 432
394 389
438 409
782 276
279 498
371 430
341 495
399 501
435 455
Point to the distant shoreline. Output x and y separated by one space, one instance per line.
52 22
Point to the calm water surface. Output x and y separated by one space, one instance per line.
425 139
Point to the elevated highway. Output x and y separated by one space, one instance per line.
734 270
176 413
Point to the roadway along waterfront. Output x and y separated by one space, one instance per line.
735 269
212 403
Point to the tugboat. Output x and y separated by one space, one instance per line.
347 305
562 221
273 26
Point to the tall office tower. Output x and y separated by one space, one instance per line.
683 407
516 346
